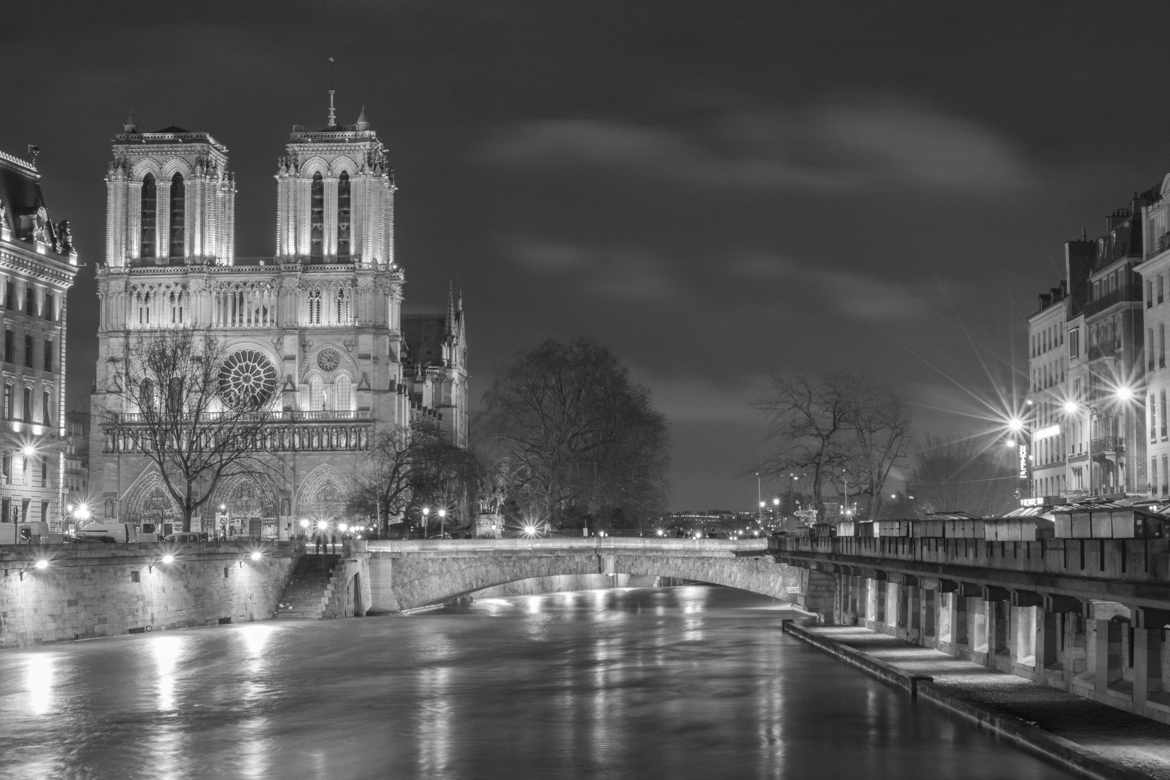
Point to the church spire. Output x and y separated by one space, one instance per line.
363 123
332 111
450 329
129 126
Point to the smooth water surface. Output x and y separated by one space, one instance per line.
688 682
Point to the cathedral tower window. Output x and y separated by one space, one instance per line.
314 307
317 219
341 393
178 215
343 253
149 216
316 394
342 305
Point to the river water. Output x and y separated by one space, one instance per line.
686 682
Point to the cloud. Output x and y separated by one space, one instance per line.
701 399
834 147
619 273
853 294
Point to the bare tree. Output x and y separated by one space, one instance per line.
836 428
200 419
808 422
881 429
575 437
383 487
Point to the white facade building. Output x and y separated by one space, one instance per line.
37 266
318 327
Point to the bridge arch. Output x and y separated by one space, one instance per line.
418 578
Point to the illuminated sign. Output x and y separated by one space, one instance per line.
1023 461
1051 430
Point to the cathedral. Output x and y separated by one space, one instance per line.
316 333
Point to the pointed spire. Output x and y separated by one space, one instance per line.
129 126
362 122
450 329
332 111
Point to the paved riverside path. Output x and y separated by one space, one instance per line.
1098 740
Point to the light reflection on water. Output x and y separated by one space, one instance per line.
690 682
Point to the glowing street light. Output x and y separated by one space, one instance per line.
168 559
42 564
256 555
442 521
530 531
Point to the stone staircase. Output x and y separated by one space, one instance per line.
309 589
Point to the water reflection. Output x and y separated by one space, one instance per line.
684 683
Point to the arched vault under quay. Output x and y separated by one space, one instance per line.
406 575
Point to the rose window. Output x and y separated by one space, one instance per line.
247 380
328 359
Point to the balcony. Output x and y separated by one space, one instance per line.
1125 293
1108 444
288 431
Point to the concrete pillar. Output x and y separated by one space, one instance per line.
820 593
1100 657
1148 648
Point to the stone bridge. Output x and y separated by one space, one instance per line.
409 574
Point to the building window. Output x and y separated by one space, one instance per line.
1165 475
44 480
48 354
28 406
149 216
316 394
47 407
28 351
316 219
1161 288
9 346
1161 345
341 393
1162 413
343 253
1074 343
8 401
314 307
178 216
6 465
30 300
50 304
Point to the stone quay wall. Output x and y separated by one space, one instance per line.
96 590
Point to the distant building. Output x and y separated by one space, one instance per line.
38 263
1048 371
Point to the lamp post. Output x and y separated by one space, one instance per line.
442 522
426 511
759 500
1121 394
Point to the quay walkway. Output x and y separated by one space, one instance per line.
1090 738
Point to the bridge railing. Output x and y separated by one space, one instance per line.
1137 560
722 547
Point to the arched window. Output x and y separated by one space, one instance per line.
342 305
314 307
341 393
343 253
316 394
149 216
317 219
178 216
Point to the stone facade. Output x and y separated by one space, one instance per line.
319 325
38 263
105 590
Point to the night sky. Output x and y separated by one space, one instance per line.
715 191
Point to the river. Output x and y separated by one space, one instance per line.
685 682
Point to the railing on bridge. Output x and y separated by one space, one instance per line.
1132 560
565 544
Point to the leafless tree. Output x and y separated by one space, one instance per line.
835 429
575 438
382 488
194 421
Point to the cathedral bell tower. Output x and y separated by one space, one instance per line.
171 199
335 196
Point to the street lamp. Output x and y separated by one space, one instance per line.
426 511
442 521
760 498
